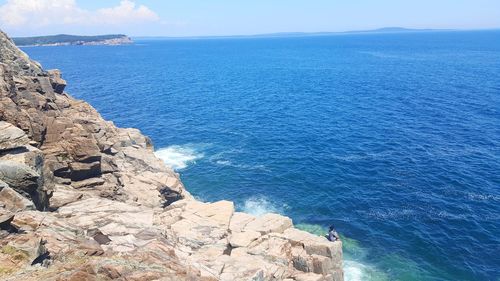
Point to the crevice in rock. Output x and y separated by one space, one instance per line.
43 136
228 250
62 172
98 236
8 227
16 150
43 260
90 159
170 196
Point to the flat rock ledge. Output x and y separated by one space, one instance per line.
81 199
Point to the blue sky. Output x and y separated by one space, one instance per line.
234 17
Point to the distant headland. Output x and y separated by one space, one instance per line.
64 40
301 34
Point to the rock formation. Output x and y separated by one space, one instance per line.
81 199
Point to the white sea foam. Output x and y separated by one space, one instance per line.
361 156
353 271
357 271
240 166
482 197
260 205
223 162
226 158
392 213
179 156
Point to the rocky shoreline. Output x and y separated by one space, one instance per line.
70 40
81 199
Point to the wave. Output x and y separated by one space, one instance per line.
361 156
240 166
385 55
357 271
223 159
260 205
179 156
482 197
392 213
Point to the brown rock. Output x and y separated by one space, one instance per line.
243 239
309 277
239 221
5 218
64 195
58 84
25 248
269 223
13 201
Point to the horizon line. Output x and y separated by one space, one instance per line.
283 33
315 33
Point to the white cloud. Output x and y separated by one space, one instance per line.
37 13
127 11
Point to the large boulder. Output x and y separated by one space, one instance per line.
124 226
58 84
243 239
23 180
239 221
316 254
269 223
200 224
26 173
13 201
25 247
11 137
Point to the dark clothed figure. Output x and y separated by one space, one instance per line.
333 235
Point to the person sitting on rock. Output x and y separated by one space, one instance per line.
332 234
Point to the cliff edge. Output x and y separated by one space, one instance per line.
81 199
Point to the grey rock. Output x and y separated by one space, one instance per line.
13 201
11 137
19 61
19 176
24 181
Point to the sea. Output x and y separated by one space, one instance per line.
392 138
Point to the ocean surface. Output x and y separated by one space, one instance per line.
393 138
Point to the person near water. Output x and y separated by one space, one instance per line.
332 234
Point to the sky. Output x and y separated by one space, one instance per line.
239 17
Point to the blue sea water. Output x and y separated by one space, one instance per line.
394 138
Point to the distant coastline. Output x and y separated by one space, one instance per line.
300 34
66 40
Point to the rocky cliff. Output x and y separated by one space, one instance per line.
81 199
